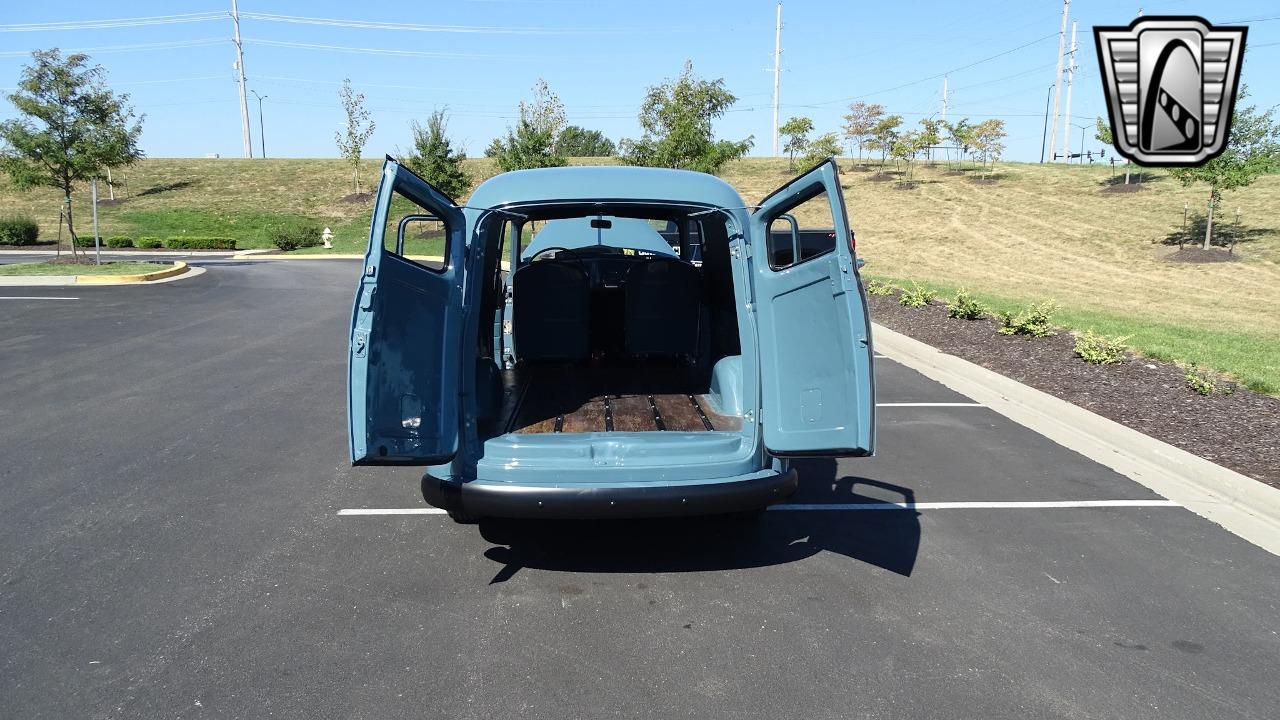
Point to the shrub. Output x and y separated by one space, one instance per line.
1099 349
1201 382
18 230
875 287
1032 321
294 236
84 241
916 296
185 242
150 242
965 307
119 241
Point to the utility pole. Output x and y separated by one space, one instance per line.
1057 82
777 75
262 134
1071 74
244 99
944 97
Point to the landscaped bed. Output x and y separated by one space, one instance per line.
1231 425
71 268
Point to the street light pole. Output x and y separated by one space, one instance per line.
1045 133
261 134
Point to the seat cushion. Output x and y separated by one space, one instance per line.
663 298
551 316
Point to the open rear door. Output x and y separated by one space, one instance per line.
818 390
406 329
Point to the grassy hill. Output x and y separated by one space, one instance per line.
1038 232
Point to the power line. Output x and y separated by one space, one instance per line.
935 76
377 51
176 44
113 23
469 29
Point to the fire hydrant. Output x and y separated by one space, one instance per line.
327 236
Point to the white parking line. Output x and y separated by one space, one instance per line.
392 511
930 404
34 297
1010 505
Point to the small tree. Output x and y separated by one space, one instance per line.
71 127
359 128
1106 137
906 147
987 138
860 121
821 148
796 131
883 135
960 135
1253 148
435 159
675 121
580 142
532 143
930 134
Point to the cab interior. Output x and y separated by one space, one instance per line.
609 320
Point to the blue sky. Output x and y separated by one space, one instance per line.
599 56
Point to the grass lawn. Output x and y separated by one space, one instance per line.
1039 232
109 268
1252 358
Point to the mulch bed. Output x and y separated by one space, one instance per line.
356 198
1200 255
1240 430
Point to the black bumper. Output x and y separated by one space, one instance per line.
517 501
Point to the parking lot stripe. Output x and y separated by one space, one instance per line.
1010 505
392 511
34 297
930 404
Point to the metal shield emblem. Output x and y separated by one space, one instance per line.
1170 84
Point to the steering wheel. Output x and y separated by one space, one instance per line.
572 253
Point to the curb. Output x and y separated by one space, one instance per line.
251 255
178 268
1242 505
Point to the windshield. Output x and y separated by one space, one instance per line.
602 231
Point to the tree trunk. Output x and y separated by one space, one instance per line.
71 227
1208 226
1126 172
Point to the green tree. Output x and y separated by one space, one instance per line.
860 121
360 126
883 135
1253 148
906 146
580 142
930 134
821 148
532 142
796 131
960 135
435 159
71 127
675 121
988 141
1105 136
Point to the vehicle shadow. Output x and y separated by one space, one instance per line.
888 539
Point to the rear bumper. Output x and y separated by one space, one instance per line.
484 499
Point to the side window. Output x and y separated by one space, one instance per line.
415 233
802 232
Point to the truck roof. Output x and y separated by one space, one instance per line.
604 183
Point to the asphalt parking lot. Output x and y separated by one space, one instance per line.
175 464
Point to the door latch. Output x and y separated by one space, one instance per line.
361 344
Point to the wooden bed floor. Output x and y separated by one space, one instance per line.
552 400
